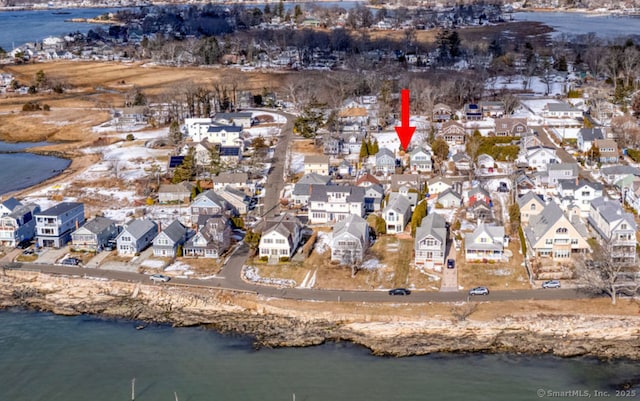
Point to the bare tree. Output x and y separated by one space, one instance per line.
600 273
509 102
629 63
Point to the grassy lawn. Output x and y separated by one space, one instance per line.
502 275
203 266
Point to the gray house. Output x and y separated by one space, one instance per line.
373 195
562 171
166 243
136 236
94 235
350 240
175 193
55 225
302 189
431 241
19 225
207 203
8 206
212 240
449 198
385 161
616 229
397 214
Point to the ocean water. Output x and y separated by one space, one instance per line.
571 23
55 358
21 170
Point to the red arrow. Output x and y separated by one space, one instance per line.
404 131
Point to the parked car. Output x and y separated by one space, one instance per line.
503 187
399 291
479 291
23 245
159 278
451 264
551 284
70 261
27 252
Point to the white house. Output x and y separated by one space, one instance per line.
334 203
281 237
350 240
431 241
397 214
616 229
486 242
539 157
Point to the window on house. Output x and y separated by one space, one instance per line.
623 226
548 241
533 206
562 230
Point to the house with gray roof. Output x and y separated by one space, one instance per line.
587 137
562 171
333 203
318 164
420 160
8 206
136 236
166 243
175 193
431 242
238 200
19 225
94 235
613 174
55 225
280 238
449 199
397 214
580 192
385 161
350 240
233 180
208 203
551 235
242 119
561 110
530 204
212 240
616 229
486 242
540 157
302 189
373 196
462 161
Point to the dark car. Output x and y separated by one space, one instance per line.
71 261
451 264
479 291
399 291
23 245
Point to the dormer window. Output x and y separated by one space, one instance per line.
533 206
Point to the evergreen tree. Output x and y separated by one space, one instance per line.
363 151
440 148
419 212
175 135
375 148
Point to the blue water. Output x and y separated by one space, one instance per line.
19 27
605 26
54 358
22 170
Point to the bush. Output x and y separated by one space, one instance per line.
634 155
284 259
264 258
46 107
130 137
31 106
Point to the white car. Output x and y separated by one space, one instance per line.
551 284
159 278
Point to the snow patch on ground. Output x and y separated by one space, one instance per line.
153 264
297 163
372 264
252 274
323 242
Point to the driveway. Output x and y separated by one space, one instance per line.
51 256
96 261
449 281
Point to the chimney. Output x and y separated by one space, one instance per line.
159 227
577 181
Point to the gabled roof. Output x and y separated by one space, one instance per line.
211 196
316 159
478 191
574 185
590 134
398 203
540 148
11 203
314 178
433 225
496 233
230 178
460 156
231 116
620 170
526 198
449 192
178 188
320 192
285 225
384 152
175 231
611 211
138 228
98 224
561 107
367 178
541 223
419 149
21 210
573 167
351 112
354 225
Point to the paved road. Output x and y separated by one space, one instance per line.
275 180
233 282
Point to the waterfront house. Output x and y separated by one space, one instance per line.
350 240
175 193
55 225
136 236
280 238
397 214
19 225
8 206
166 243
94 235
212 240
485 243
616 229
551 234
431 241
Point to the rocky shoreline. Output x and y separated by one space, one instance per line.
565 335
